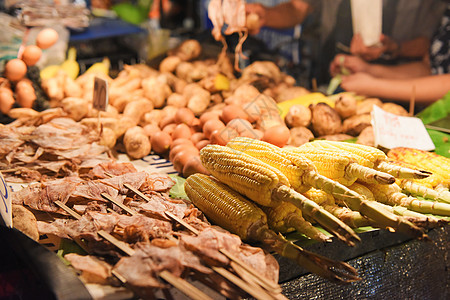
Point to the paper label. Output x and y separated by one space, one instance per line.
367 17
5 202
393 131
100 94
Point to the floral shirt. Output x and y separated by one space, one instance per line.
440 46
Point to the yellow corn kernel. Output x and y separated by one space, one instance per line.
245 174
319 196
429 161
224 206
292 166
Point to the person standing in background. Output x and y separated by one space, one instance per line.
407 29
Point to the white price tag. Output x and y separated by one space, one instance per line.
393 131
100 98
5 202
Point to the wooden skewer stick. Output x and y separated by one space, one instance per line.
179 283
258 293
74 214
124 207
183 286
267 284
412 101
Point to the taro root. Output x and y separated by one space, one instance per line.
300 135
298 115
354 125
325 120
346 106
367 105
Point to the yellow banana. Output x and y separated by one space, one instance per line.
70 65
49 71
100 67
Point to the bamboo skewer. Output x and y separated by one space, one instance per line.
265 283
179 283
121 205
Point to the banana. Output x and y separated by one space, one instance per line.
49 71
100 67
70 65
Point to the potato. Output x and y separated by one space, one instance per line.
25 221
108 137
136 142
72 88
299 136
111 112
169 64
156 91
298 115
123 124
22 113
153 117
394 109
188 50
198 104
177 100
346 106
137 109
354 125
93 123
325 120
366 137
366 105
76 108
122 101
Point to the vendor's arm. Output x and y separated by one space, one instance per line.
281 16
415 48
427 89
355 64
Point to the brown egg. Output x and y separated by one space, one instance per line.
6 100
277 135
208 116
170 128
194 165
197 137
151 129
46 38
25 93
15 69
181 131
231 112
182 148
160 141
31 55
181 141
199 145
240 125
223 136
212 125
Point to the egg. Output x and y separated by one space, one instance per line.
46 38
31 55
223 136
181 131
184 115
15 69
6 100
231 112
277 135
160 141
212 125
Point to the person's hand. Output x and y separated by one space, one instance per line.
252 10
353 64
359 83
358 48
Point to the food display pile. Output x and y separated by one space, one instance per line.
254 172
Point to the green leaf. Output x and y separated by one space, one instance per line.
334 84
436 111
442 142
177 191
130 13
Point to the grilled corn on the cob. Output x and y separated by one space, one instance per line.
232 211
267 186
369 157
269 154
341 166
